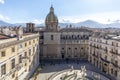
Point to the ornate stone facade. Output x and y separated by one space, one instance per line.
64 43
19 58
104 54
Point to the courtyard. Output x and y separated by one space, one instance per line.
52 70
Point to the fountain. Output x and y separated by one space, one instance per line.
77 74
71 74
81 75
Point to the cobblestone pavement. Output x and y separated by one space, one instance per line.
49 69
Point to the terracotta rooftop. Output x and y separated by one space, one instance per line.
3 37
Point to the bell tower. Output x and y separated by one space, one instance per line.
30 27
51 36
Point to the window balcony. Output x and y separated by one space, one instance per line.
114 64
16 68
25 59
104 60
106 50
113 52
95 55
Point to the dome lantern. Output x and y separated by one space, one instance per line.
51 9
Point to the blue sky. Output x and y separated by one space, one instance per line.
18 11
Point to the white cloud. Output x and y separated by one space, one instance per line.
4 18
106 17
2 1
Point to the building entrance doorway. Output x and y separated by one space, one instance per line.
62 55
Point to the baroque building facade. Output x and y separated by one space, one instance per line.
19 56
63 43
105 54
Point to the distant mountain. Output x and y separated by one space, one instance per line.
2 23
40 24
65 24
20 24
90 23
113 25
87 23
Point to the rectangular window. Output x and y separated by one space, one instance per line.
117 44
52 37
25 44
106 42
13 49
20 46
112 71
75 48
3 69
116 62
116 51
20 58
112 44
29 42
12 63
25 55
3 54
62 48
33 41
105 57
116 72
29 52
